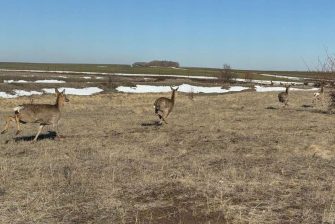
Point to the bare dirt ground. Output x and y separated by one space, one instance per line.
233 158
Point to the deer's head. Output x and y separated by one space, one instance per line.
174 89
61 97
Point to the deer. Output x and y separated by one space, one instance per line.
319 96
283 96
163 106
42 114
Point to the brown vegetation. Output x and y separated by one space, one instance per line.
226 74
223 159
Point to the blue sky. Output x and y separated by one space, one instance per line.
247 34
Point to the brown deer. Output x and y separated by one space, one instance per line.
283 97
163 106
43 114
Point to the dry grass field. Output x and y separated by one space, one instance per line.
233 158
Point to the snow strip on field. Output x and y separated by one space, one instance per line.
174 76
15 81
279 88
49 81
179 68
268 82
19 93
37 81
79 92
283 76
182 88
86 77
70 91
6 95
26 93
105 73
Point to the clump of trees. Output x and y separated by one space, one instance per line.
248 76
328 67
325 73
157 63
226 74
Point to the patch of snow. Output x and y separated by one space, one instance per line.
49 81
283 76
37 81
14 81
267 82
279 89
6 95
182 88
116 74
147 79
74 91
99 77
173 76
70 91
86 77
19 93
26 93
179 68
237 88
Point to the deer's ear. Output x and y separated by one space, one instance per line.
63 92
56 91
177 88
171 88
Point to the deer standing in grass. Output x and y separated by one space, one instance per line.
163 106
283 97
43 114
319 96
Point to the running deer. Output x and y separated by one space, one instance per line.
163 106
319 96
43 114
283 97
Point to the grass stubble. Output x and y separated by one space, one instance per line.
221 159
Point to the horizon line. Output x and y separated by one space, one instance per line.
196 67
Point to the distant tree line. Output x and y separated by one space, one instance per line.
157 63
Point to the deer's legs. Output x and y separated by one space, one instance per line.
160 116
286 104
39 131
160 119
313 102
164 117
17 121
58 136
9 120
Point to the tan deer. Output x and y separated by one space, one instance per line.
283 97
43 114
163 106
